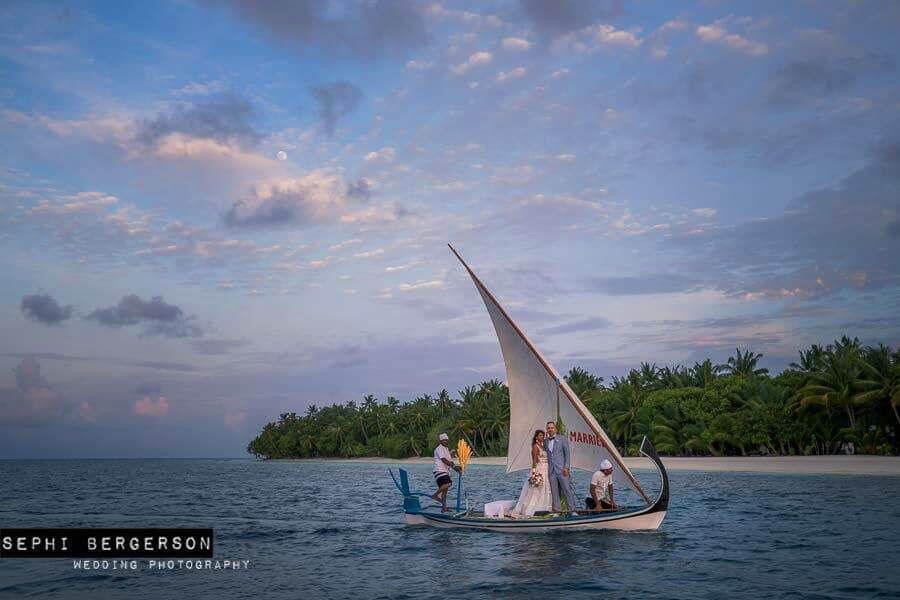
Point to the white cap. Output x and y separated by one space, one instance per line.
605 465
444 436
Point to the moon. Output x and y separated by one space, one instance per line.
282 155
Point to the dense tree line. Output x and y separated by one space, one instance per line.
835 395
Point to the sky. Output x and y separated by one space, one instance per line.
215 212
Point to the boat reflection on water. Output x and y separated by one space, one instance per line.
554 554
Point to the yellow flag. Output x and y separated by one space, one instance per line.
463 452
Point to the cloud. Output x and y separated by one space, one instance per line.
400 366
384 155
157 317
148 389
86 411
225 118
82 202
767 141
151 407
515 44
419 65
421 285
344 244
607 35
370 254
96 229
590 324
395 268
828 240
319 197
214 129
466 17
821 65
652 283
235 420
511 74
217 346
43 308
32 402
715 33
359 190
477 59
105 360
115 127
358 29
335 101
660 39
811 77
557 17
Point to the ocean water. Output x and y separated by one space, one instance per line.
335 530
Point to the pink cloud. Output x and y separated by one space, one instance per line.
148 407
86 412
235 420
32 401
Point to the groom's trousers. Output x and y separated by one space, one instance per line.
558 482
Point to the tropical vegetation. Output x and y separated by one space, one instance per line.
834 398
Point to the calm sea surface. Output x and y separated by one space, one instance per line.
334 530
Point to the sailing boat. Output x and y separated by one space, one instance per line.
537 394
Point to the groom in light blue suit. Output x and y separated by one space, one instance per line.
559 462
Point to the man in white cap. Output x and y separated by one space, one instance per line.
601 497
443 462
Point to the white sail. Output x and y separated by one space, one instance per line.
537 395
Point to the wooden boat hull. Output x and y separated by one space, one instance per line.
646 518
635 522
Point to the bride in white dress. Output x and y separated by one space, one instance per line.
534 498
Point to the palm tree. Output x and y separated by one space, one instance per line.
721 433
673 434
339 434
702 374
811 360
866 440
649 375
308 443
419 413
837 384
767 409
582 381
673 377
468 395
497 422
881 372
444 403
629 400
846 344
742 364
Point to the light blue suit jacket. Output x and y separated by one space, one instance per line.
559 458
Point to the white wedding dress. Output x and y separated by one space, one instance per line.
533 499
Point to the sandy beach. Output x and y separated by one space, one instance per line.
799 465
